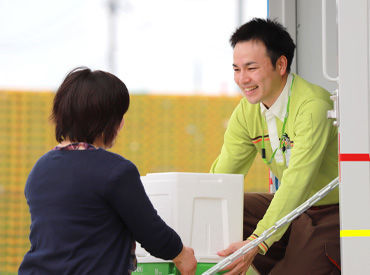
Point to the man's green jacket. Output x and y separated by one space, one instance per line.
313 157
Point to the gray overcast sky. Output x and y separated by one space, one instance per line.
163 46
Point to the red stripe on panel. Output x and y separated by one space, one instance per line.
354 157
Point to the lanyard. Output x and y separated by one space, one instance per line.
263 153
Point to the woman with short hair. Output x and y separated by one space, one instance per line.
88 206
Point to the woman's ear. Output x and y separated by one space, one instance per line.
121 124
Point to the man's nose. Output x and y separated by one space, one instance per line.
244 77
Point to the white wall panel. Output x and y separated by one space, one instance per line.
355 195
309 48
354 73
359 263
284 11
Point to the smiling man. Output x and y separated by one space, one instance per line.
282 117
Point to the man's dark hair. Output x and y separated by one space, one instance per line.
271 33
89 104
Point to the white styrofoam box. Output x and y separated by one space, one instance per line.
206 210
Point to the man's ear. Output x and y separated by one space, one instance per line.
282 65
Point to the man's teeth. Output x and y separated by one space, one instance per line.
250 88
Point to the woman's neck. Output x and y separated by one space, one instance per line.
98 143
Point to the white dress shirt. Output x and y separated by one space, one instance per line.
277 111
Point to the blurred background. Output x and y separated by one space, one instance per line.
175 58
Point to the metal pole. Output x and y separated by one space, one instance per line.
240 12
112 35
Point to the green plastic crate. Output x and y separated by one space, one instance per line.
155 269
168 269
202 267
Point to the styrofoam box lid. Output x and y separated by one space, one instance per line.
206 210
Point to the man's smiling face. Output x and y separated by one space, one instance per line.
254 73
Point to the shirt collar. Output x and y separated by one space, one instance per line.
278 109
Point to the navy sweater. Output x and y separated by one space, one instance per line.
87 207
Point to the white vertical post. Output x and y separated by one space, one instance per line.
353 48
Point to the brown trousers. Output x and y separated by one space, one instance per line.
311 245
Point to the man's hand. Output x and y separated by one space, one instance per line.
185 261
240 265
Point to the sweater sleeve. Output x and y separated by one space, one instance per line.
238 152
312 133
127 196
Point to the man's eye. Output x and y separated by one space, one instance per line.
252 68
236 70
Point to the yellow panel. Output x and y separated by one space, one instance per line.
355 233
161 134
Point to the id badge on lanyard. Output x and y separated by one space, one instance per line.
287 148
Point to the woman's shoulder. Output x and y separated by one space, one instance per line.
108 155
115 160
